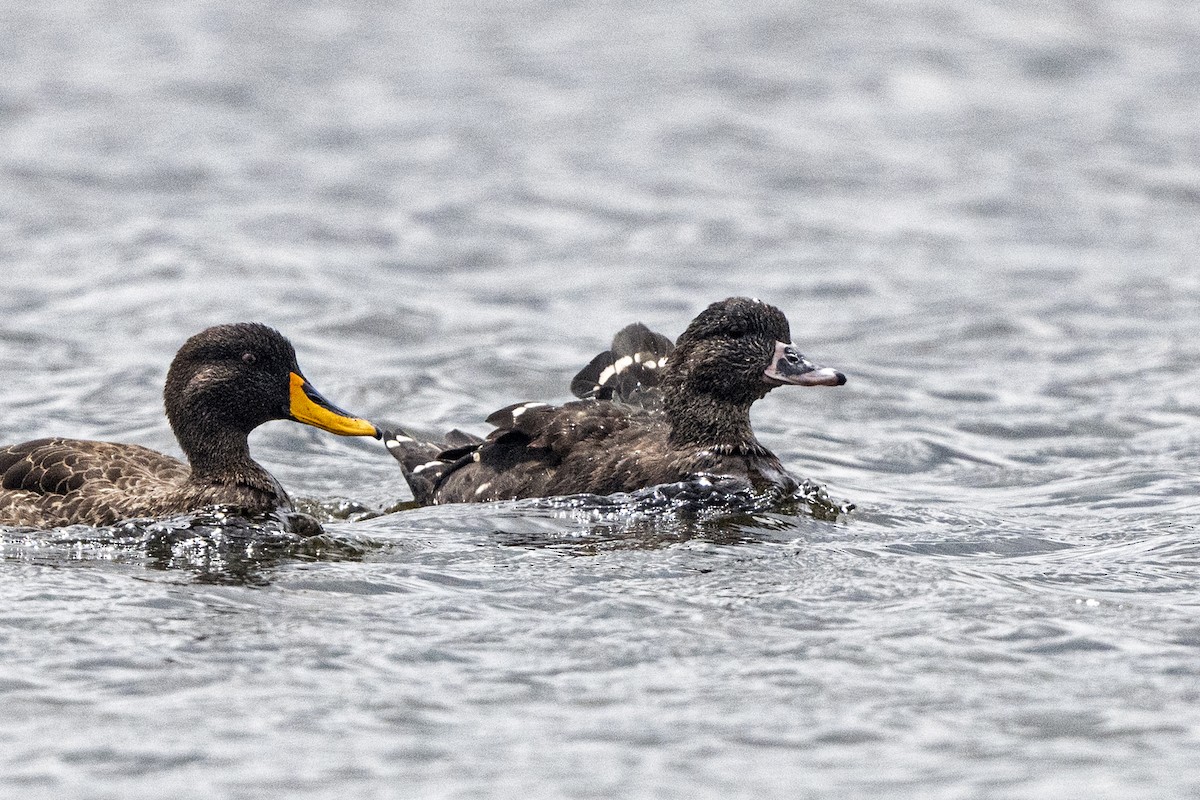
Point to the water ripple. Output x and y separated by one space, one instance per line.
984 214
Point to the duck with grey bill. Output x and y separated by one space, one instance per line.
223 383
651 412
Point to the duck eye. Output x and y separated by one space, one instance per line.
249 358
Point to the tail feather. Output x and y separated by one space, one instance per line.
420 461
626 371
457 438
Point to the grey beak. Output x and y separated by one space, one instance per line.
789 367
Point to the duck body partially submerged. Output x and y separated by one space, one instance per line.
654 414
223 383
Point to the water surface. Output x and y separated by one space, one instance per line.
984 214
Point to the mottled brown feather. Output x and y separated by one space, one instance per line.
105 482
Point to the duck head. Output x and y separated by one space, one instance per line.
733 353
740 349
227 380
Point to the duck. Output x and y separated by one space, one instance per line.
222 383
650 412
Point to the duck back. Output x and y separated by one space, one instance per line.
582 447
50 482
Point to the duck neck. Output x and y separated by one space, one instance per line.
222 457
703 420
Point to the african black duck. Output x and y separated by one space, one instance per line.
652 414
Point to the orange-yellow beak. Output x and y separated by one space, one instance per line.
308 406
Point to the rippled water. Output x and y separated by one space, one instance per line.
985 214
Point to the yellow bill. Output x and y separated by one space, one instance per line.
308 406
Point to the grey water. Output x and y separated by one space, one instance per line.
985 214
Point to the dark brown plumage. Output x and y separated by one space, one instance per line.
223 383
674 414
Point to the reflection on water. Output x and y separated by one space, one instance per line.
215 546
220 546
